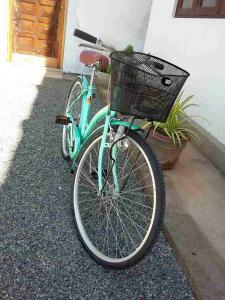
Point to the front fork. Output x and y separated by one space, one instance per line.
104 144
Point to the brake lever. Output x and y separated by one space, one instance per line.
91 46
107 47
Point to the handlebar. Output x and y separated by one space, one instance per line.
98 45
92 39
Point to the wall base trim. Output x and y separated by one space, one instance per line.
210 147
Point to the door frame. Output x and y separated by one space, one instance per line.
61 39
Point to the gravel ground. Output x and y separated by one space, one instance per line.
41 257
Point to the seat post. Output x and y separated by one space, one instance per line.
93 75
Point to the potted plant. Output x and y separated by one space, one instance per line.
169 139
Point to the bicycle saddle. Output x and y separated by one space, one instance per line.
88 57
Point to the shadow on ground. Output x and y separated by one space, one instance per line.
41 257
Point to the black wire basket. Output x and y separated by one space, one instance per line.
144 86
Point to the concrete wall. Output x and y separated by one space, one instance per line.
198 46
116 22
4 26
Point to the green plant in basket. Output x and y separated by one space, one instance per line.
129 49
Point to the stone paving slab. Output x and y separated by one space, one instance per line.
195 221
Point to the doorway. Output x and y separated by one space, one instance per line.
38 30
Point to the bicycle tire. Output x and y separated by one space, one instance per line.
159 204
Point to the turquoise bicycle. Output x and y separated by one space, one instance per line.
118 188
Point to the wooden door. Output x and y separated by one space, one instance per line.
38 27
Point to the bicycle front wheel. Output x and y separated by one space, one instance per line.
117 228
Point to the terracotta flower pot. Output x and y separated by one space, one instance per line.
167 153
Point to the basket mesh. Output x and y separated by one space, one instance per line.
144 86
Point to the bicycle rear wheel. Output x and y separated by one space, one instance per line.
117 229
75 110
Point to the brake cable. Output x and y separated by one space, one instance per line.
110 154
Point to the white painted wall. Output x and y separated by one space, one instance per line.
116 22
198 46
4 26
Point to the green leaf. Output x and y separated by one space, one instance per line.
177 125
189 105
182 135
173 138
158 124
186 101
200 117
178 138
191 133
129 49
144 124
167 132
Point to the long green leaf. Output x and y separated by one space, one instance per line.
167 132
144 124
200 117
178 138
189 105
182 135
186 101
155 127
191 133
173 138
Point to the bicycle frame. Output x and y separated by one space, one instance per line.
83 131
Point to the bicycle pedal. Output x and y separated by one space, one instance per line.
63 120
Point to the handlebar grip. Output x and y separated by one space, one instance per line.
85 36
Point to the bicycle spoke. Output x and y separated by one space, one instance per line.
136 211
89 220
139 194
102 222
86 177
89 207
131 220
106 219
139 181
117 230
125 162
136 160
129 173
137 189
135 202
151 196
87 186
122 224
88 193
85 201
113 230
